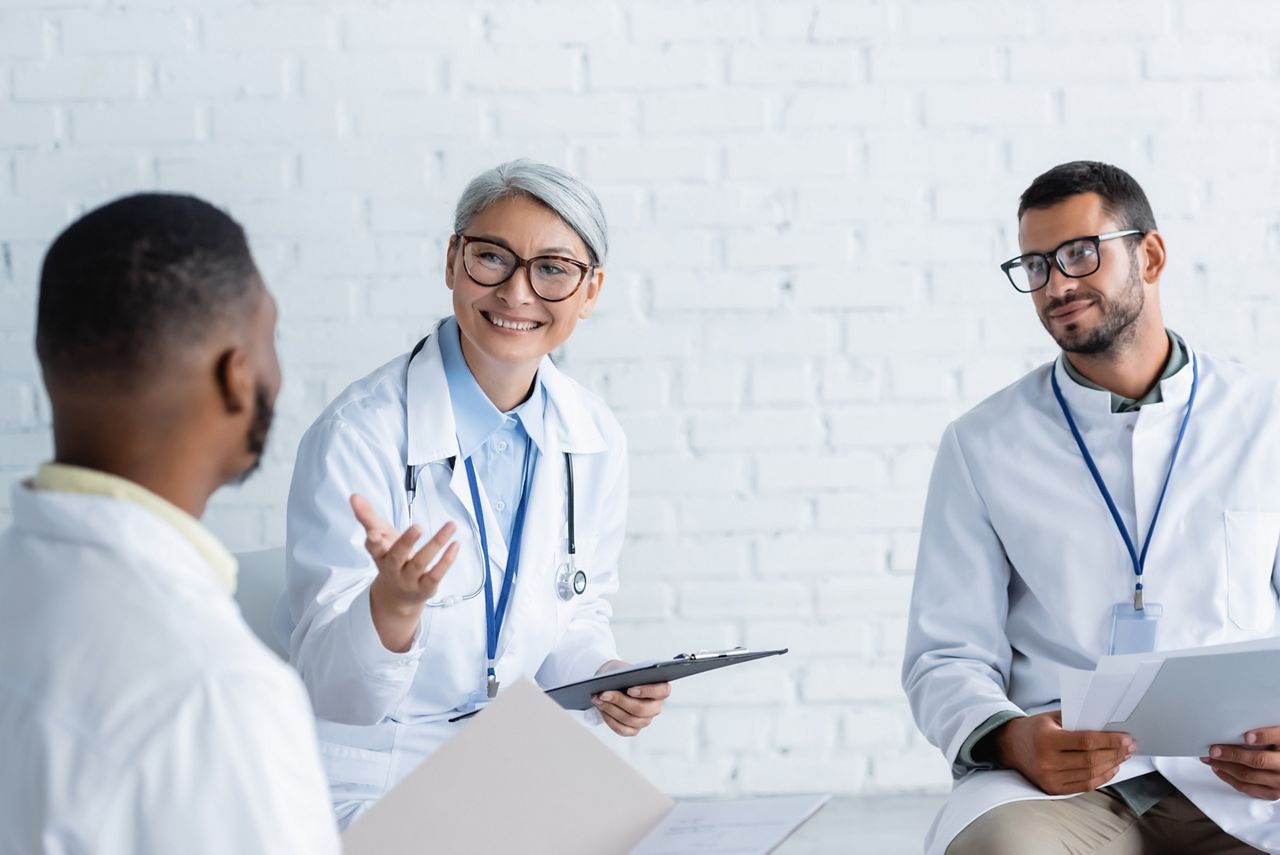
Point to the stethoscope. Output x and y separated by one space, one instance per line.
570 581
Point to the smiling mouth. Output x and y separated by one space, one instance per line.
504 323
1070 311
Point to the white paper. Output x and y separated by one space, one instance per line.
522 776
1143 676
1177 703
1217 649
730 827
1105 691
1074 687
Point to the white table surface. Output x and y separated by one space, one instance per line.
875 825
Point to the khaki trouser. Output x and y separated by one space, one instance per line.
1096 823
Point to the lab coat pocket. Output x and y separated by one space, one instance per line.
355 773
1252 538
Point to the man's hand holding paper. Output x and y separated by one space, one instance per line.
1187 702
1252 768
1061 762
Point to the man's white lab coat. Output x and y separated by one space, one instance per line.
1020 562
138 713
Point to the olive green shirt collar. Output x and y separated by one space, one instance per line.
77 479
1178 358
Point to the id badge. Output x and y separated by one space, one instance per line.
1134 630
475 701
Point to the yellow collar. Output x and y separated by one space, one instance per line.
77 479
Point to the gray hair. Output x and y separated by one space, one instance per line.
566 196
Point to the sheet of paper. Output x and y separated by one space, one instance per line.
1143 676
1215 649
1177 703
522 776
1197 701
1074 686
753 826
1105 691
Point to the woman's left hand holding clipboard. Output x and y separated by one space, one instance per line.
628 713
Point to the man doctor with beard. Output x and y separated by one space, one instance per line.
138 712
1121 498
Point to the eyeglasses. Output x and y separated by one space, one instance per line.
1076 258
552 277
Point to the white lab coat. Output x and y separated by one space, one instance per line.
138 713
380 713
1020 562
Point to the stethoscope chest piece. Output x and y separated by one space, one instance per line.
570 582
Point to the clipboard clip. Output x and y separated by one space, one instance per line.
713 654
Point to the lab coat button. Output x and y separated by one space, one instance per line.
500 505
502 445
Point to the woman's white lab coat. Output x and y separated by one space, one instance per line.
380 713
1020 562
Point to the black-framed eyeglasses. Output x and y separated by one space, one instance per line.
1076 258
552 277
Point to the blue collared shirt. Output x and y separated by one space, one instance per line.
495 441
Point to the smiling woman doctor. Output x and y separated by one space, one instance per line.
520 473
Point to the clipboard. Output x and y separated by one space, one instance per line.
577 696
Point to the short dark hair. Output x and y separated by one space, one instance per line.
1122 197
134 282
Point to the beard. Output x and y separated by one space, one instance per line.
259 428
1116 326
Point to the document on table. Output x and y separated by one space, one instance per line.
1177 703
730 827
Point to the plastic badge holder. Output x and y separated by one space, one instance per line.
1134 630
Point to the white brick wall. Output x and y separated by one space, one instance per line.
809 199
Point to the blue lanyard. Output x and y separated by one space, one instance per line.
493 618
1139 559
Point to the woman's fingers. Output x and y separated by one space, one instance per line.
615 713
424 556
641 707
618 727
368 517
653 691
395 558
395 555
429 581
379 536
633 712
627 713
426 581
